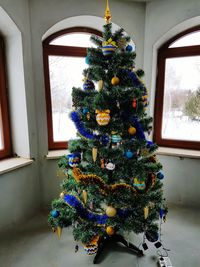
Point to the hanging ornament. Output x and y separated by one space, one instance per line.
102 163
152 236
144 152
139 184
160 176
129 154
103 117
110 166
94 153
145 100
132 130
58 231
92 247
104 139
134 103
85 111
100 85
55 213
91 205
115 80
116 138
84 196
129 48
161 213
62 194
74 159
110 230
87 60
88 85
88 116
146 212
110 211
122 43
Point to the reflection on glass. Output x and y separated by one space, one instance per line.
65 73
181 110
1 132
187 40
73 39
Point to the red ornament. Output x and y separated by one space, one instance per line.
134 104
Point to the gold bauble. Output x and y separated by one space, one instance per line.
115 80
110 211
132 130
110 230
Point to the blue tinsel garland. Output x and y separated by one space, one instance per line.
84 213
80 126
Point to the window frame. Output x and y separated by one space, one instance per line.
164 53
60 50
7 150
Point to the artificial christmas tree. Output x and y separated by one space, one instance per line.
113 178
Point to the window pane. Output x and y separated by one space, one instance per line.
1 132
187 40
181 110
65 73
74 39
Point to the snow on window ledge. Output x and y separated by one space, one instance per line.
11 164
178 152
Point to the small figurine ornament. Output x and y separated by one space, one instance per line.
110 166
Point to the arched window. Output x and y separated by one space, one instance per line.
5 141
177 105
64 55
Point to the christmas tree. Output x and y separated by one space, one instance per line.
113 179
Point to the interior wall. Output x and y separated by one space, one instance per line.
19 189
45 14
165 19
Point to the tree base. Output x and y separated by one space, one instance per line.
115 239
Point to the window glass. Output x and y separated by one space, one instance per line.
181 110
74 39
65 73
187 40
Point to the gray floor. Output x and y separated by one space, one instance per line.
34 245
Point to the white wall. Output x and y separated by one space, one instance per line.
19 189
165 19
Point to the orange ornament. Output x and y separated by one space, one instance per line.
103 117
110 230
115 80
132 130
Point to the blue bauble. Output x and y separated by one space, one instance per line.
152 236
129 154
129 48
161 213
74 159
85 111
87 60
88 85
104 140
55 213
160 175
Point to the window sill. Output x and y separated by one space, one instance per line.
56 154
11 164
178 152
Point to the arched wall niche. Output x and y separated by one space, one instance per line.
16 84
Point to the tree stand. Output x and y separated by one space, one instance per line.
115 239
